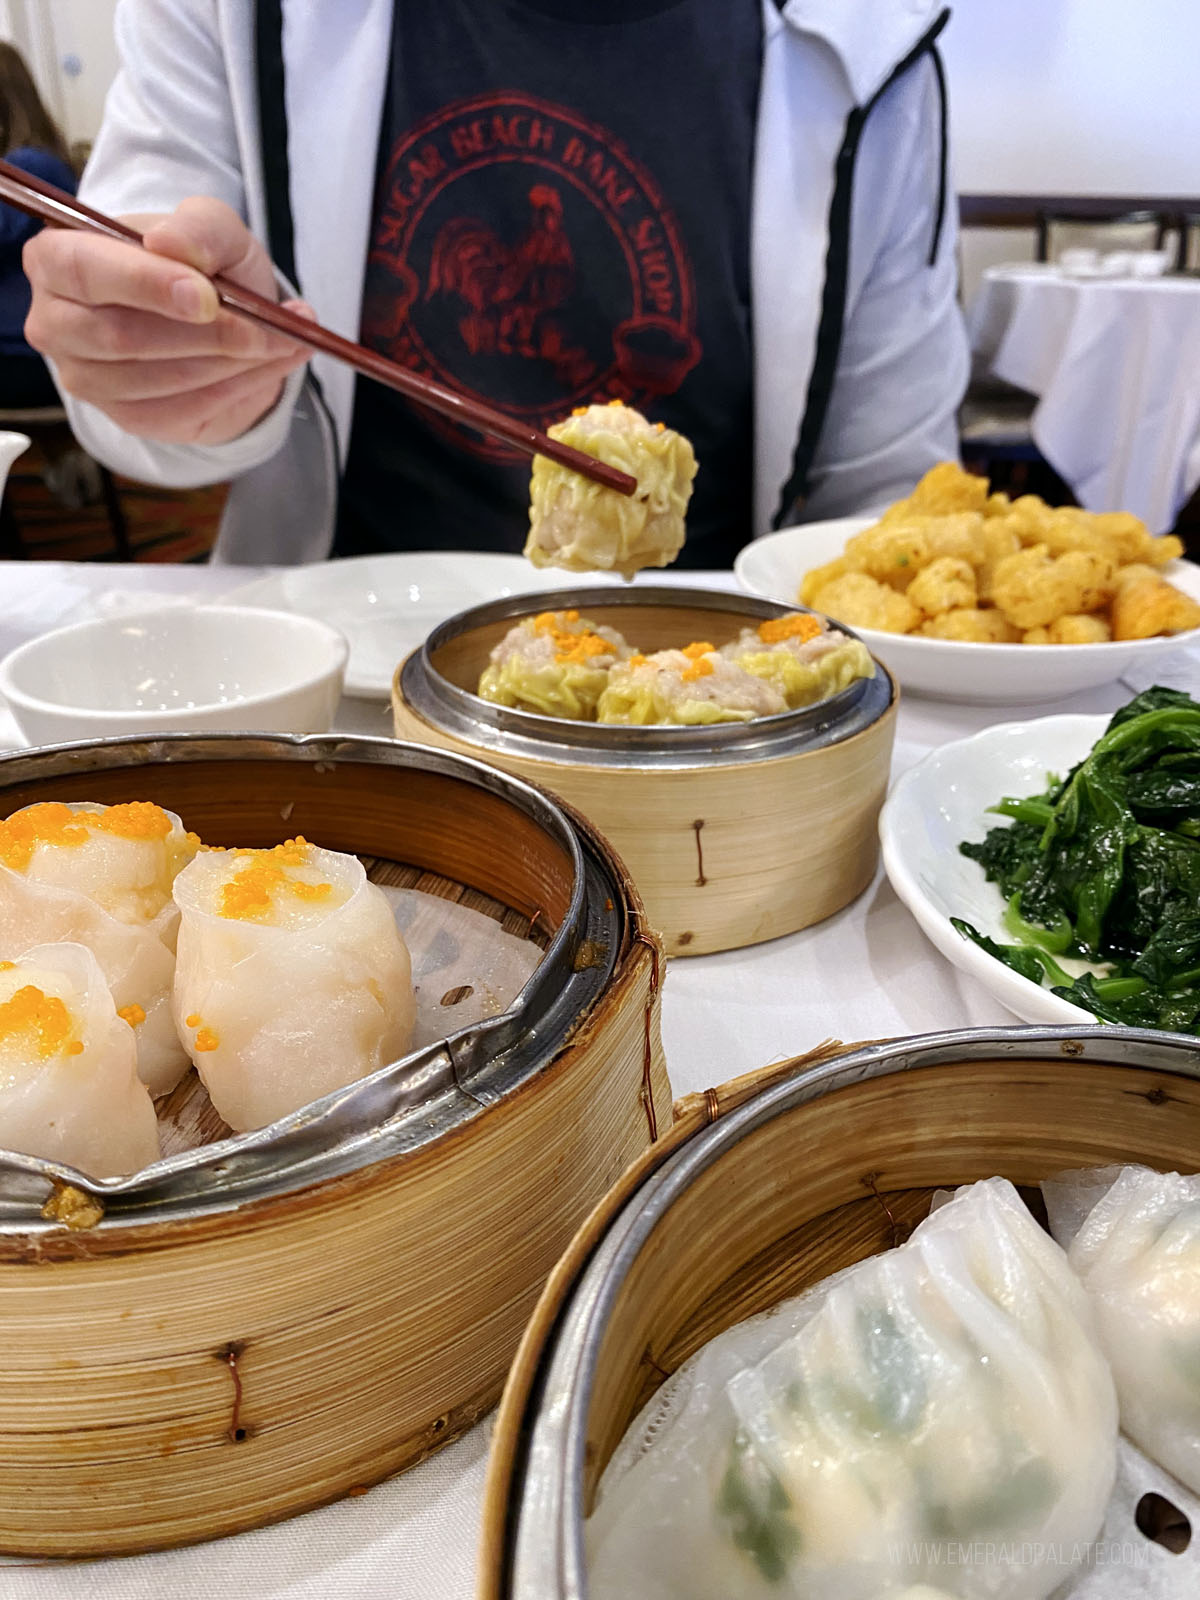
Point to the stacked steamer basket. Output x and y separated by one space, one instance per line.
733 833
767 1186
254 1327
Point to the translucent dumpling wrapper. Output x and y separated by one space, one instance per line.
694 686
1133 1238
905 1423
804 659
102 876
582 526
555 663
69 1088
292 978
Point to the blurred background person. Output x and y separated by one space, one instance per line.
31 140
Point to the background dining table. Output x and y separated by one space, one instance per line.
1115 363
866 973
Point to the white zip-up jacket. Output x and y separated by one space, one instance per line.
860 356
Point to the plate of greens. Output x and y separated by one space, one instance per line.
1058 861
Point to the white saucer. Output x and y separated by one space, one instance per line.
386 605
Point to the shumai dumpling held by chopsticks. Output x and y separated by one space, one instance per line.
556 664
694 686
292 978
69 1088
579 525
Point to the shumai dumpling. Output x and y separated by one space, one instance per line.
582 526
556 663
693 686
805 660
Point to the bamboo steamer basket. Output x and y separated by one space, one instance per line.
257 1326
734 833
764 1187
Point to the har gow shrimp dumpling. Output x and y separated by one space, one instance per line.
581 525
102 876
555 663
69 1089
292 978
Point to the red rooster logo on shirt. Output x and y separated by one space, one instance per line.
512 291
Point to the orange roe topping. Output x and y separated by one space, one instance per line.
701 666
53 823
798 626
552 621
660 427
581 649
8 966
193 1021
40 1022
577 411
637 659
571 648
247 897
133 1015
206 1040
616 402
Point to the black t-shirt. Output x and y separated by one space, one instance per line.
562 215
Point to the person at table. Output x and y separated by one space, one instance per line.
30 139
733 216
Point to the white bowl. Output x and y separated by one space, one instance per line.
943 800
980 674
218 668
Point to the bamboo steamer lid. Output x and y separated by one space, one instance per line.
735 833
764 1187
253 1328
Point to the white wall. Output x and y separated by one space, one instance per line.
1075 96
1070 97
70 49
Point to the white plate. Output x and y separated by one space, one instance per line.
386 605
944 800
980 674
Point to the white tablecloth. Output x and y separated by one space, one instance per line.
865 973
1116 364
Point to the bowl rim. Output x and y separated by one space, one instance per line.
422 687
904 877
543 1550
875 638
142 717
422 1097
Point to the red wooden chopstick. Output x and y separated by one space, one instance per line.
62 210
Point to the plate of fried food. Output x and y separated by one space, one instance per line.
968 595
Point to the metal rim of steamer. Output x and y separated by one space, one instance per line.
405 1105
544 1558
557 739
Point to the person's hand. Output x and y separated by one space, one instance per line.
140 334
